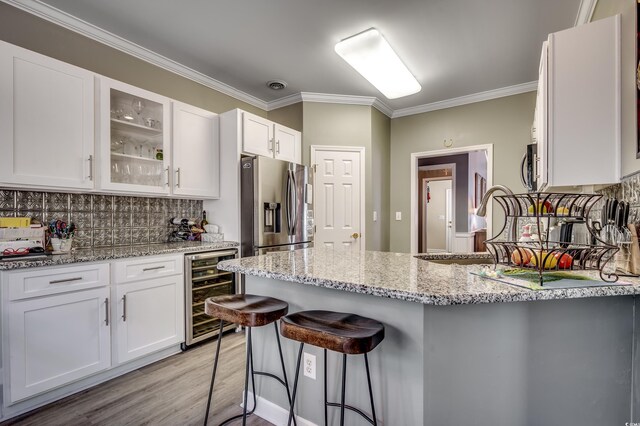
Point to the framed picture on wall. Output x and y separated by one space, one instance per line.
480 189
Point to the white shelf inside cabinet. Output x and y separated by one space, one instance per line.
138 128
135 158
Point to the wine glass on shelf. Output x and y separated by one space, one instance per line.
138 105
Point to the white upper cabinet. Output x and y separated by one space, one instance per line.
46 121
257 135
288 144
268 139
583 106
196 152
134 139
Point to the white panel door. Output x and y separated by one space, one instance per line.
257 135
196 151
288 144
149 316
56 340
46 121
337 201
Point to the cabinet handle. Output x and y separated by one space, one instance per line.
124 308
167 170
277 147
271 144
178 177
153 268
66 280
91 167
106 311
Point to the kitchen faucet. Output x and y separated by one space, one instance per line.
482 208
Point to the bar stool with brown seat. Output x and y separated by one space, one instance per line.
348 334
250 311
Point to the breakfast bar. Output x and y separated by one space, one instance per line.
459 348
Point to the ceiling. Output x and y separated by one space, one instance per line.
453 47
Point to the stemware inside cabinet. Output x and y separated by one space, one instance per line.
135 138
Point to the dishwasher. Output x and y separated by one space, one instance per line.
204 280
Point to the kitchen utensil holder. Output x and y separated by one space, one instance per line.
543 211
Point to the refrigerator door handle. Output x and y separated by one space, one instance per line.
294 206
291 202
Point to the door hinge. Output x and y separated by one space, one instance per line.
314 168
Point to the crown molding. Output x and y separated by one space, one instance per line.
283 102
328 98
585 11
468 99
93 32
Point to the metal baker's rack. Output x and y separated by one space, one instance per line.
545 212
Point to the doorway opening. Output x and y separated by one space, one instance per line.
436 208
446 189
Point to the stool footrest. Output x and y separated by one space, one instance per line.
354 409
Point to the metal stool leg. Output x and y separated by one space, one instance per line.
213 375
344 385
284 371
295 384
246 379
326 421
373 409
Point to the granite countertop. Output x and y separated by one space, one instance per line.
111 253
401 276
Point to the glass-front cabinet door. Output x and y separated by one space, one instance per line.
134 139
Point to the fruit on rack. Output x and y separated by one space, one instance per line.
565 260
548 261
543 208
521 256
562 211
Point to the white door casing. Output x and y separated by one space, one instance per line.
339 196
449 219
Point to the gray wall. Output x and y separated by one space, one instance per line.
505 123
462 185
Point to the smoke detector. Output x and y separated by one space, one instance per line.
276 84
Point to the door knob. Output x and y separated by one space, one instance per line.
355 235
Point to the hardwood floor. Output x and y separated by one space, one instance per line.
170 392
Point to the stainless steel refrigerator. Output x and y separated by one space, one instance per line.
276 206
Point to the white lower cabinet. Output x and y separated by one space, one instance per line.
55 340
149 316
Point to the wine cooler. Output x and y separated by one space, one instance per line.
204 280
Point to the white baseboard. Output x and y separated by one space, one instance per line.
275 414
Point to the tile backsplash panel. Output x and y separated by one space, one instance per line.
102 220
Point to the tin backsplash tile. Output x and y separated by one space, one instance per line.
102 220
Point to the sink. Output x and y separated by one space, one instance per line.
458 261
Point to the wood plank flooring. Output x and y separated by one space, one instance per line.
170 392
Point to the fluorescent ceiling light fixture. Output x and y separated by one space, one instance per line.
372 56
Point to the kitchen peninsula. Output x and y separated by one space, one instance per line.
455 351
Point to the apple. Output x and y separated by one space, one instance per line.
521 256
543 208
562 211
565 260
550 261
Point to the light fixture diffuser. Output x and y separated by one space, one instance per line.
372 56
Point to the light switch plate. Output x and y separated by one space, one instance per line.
375 216
398 215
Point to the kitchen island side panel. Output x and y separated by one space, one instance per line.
529 363
396 364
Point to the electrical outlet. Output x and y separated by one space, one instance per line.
309 365
398 215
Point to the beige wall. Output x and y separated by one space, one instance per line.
25 30
504 122
627 8
355 125
290 116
